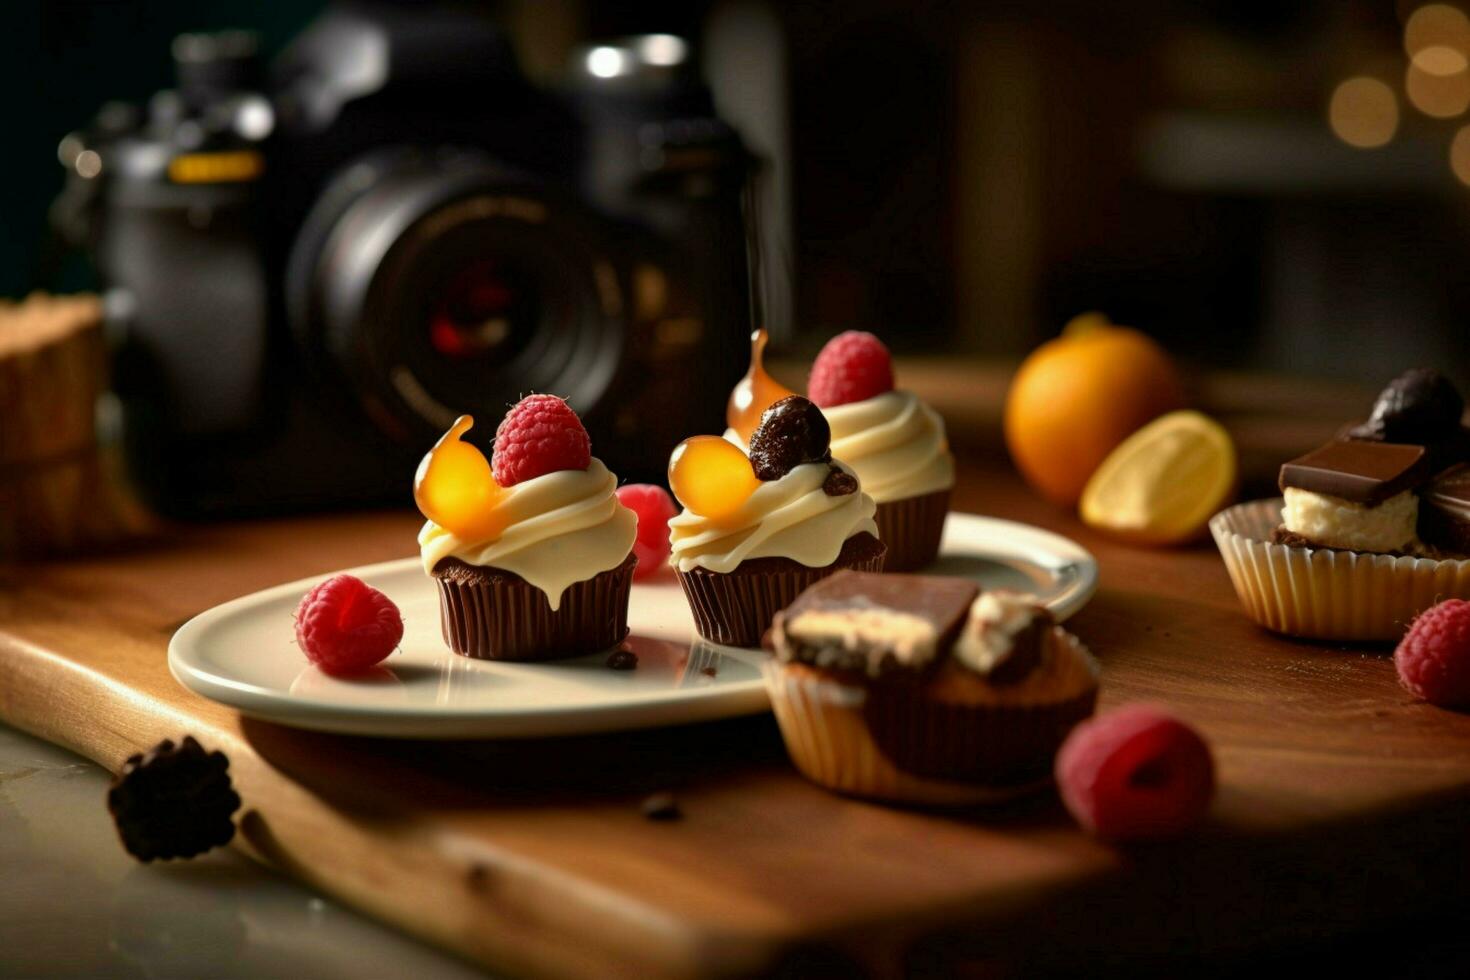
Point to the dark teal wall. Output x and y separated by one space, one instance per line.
60 60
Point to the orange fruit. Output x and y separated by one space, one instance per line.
1075 398
1163 483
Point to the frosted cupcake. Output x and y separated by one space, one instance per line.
894 442
533 556
757 529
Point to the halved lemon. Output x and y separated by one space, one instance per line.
1163 483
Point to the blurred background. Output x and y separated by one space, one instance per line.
1256 183
1265 188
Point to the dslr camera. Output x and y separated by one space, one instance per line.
312 270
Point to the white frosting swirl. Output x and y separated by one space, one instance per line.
561 528
787 518
895 443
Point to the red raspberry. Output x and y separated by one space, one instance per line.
1135 773
345 625
540 435
654 507
1433 658
852 367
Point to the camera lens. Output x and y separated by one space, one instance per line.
487 310
439 288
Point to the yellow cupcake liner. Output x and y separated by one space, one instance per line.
1323 593
823 723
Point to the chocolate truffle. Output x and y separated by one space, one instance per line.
1419 406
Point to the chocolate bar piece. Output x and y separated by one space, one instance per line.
1360 472
869 623
1444 510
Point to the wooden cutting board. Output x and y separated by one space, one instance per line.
1340 797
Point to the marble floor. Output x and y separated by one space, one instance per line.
74 904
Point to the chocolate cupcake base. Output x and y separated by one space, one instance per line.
493 614
912 528
736 608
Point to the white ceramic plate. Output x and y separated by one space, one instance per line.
243 654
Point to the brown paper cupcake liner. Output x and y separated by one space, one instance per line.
736 608
491 614
912 529
1324 593
996 745
905 751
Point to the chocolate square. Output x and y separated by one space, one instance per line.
870 623
1360 472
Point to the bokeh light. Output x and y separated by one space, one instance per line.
1440 96
1437 39
1441 59
607 62
1363 112
1460 155
88 164
662 49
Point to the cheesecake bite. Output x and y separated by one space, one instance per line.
1364 491
922 689
1359 496
1371 528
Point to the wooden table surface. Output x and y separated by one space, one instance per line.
1340 797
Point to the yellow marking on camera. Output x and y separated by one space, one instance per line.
216 168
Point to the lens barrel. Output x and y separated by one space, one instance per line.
440 284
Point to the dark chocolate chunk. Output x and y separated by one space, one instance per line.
661 806
173 802
622 659
1419 406
870 623
839 483
1444 511
793 431
1361 472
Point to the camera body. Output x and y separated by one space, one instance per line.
313 276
